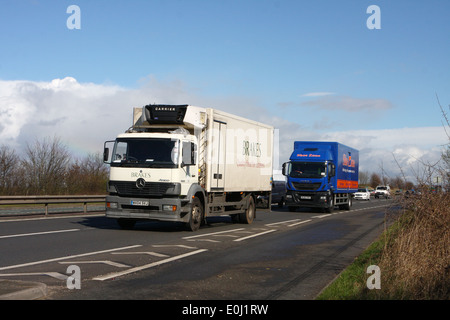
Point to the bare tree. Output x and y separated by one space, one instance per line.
445 169
46 163
9 162
364 178
88 176
375 180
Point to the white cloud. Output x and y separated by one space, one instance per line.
394 150
84 115
346 103
317 94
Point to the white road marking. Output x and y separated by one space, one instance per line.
213 233
321 216
297 223
108 262
173 245
56 275
206 240
275 223
150 253
67 257
254 235
147 266
37 233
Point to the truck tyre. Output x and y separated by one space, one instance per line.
249 214
348 205
331 206
196 215
126 224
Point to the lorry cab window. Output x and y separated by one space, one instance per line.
314 170
153 152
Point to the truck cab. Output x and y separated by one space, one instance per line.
152 174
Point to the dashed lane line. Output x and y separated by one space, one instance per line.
37 233
281 222
254 235
300 222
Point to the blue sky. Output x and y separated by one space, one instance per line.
314 64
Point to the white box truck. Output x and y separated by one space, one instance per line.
183 163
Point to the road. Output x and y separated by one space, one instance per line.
282 255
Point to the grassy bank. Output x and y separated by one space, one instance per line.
413 255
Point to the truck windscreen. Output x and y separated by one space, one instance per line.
137 152
313 170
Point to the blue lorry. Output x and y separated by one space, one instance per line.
321 174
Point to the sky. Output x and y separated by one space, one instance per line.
315 70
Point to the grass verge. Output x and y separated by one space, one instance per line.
413 255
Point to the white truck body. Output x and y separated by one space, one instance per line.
179 162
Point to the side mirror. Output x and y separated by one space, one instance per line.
284 169
105 154
332 170
106 150
188 158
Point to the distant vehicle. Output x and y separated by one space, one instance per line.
372 192
362 194
383 191
278 195
321 174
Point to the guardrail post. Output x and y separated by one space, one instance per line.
46 209
85 207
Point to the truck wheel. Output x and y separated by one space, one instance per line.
196 215
348 206
331 202
126 224
248 215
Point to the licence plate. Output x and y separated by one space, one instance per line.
305 197
139 203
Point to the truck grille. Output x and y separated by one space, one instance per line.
306 186
127 188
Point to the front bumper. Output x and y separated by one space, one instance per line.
161 209
308 199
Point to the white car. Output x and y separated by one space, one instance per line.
362 194
383 191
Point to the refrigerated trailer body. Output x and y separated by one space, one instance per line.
183 163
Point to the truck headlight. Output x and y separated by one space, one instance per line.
169 207
112 205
